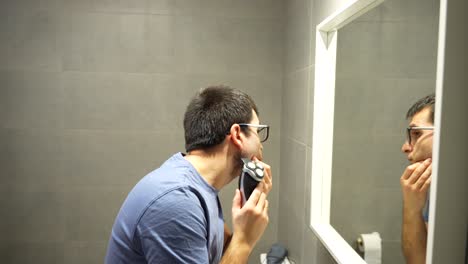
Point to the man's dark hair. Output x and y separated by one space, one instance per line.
421 104
212 112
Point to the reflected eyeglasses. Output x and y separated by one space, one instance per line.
411 137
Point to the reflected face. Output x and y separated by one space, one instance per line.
253 147
421 140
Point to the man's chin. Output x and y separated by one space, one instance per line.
412 160
259 155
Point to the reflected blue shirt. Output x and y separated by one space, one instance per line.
172 215
425 212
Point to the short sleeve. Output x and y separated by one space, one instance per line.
174 229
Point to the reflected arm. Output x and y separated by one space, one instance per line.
414 236
415 183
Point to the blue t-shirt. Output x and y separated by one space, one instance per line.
425 212
172 215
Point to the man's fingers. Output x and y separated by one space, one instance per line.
262 185
267 182
426 175
409 170
237 200
261 201
254 197
419 171
265 207
426 184
267 169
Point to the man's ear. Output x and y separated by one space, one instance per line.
236 135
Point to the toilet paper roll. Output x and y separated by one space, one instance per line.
371 246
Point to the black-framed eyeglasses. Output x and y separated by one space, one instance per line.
411 136
263 131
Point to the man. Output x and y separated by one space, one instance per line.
173 215
416 179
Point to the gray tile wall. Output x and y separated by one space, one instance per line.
92 95
294 204
400 71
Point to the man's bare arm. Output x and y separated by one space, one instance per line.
227 237
415 183
414 238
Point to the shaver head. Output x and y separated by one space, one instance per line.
254 169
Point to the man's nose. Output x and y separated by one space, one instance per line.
406 147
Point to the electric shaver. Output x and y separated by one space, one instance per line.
252 174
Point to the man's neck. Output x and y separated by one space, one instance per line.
214 165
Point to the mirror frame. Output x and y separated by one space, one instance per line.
322 147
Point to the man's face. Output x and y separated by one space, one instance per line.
421 142
253 147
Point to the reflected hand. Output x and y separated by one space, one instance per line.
415 183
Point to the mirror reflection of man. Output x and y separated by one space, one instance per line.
416 179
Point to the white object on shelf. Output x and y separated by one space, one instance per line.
263 259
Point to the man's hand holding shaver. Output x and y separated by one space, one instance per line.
249 221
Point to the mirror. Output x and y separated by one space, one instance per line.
373 61
386 60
